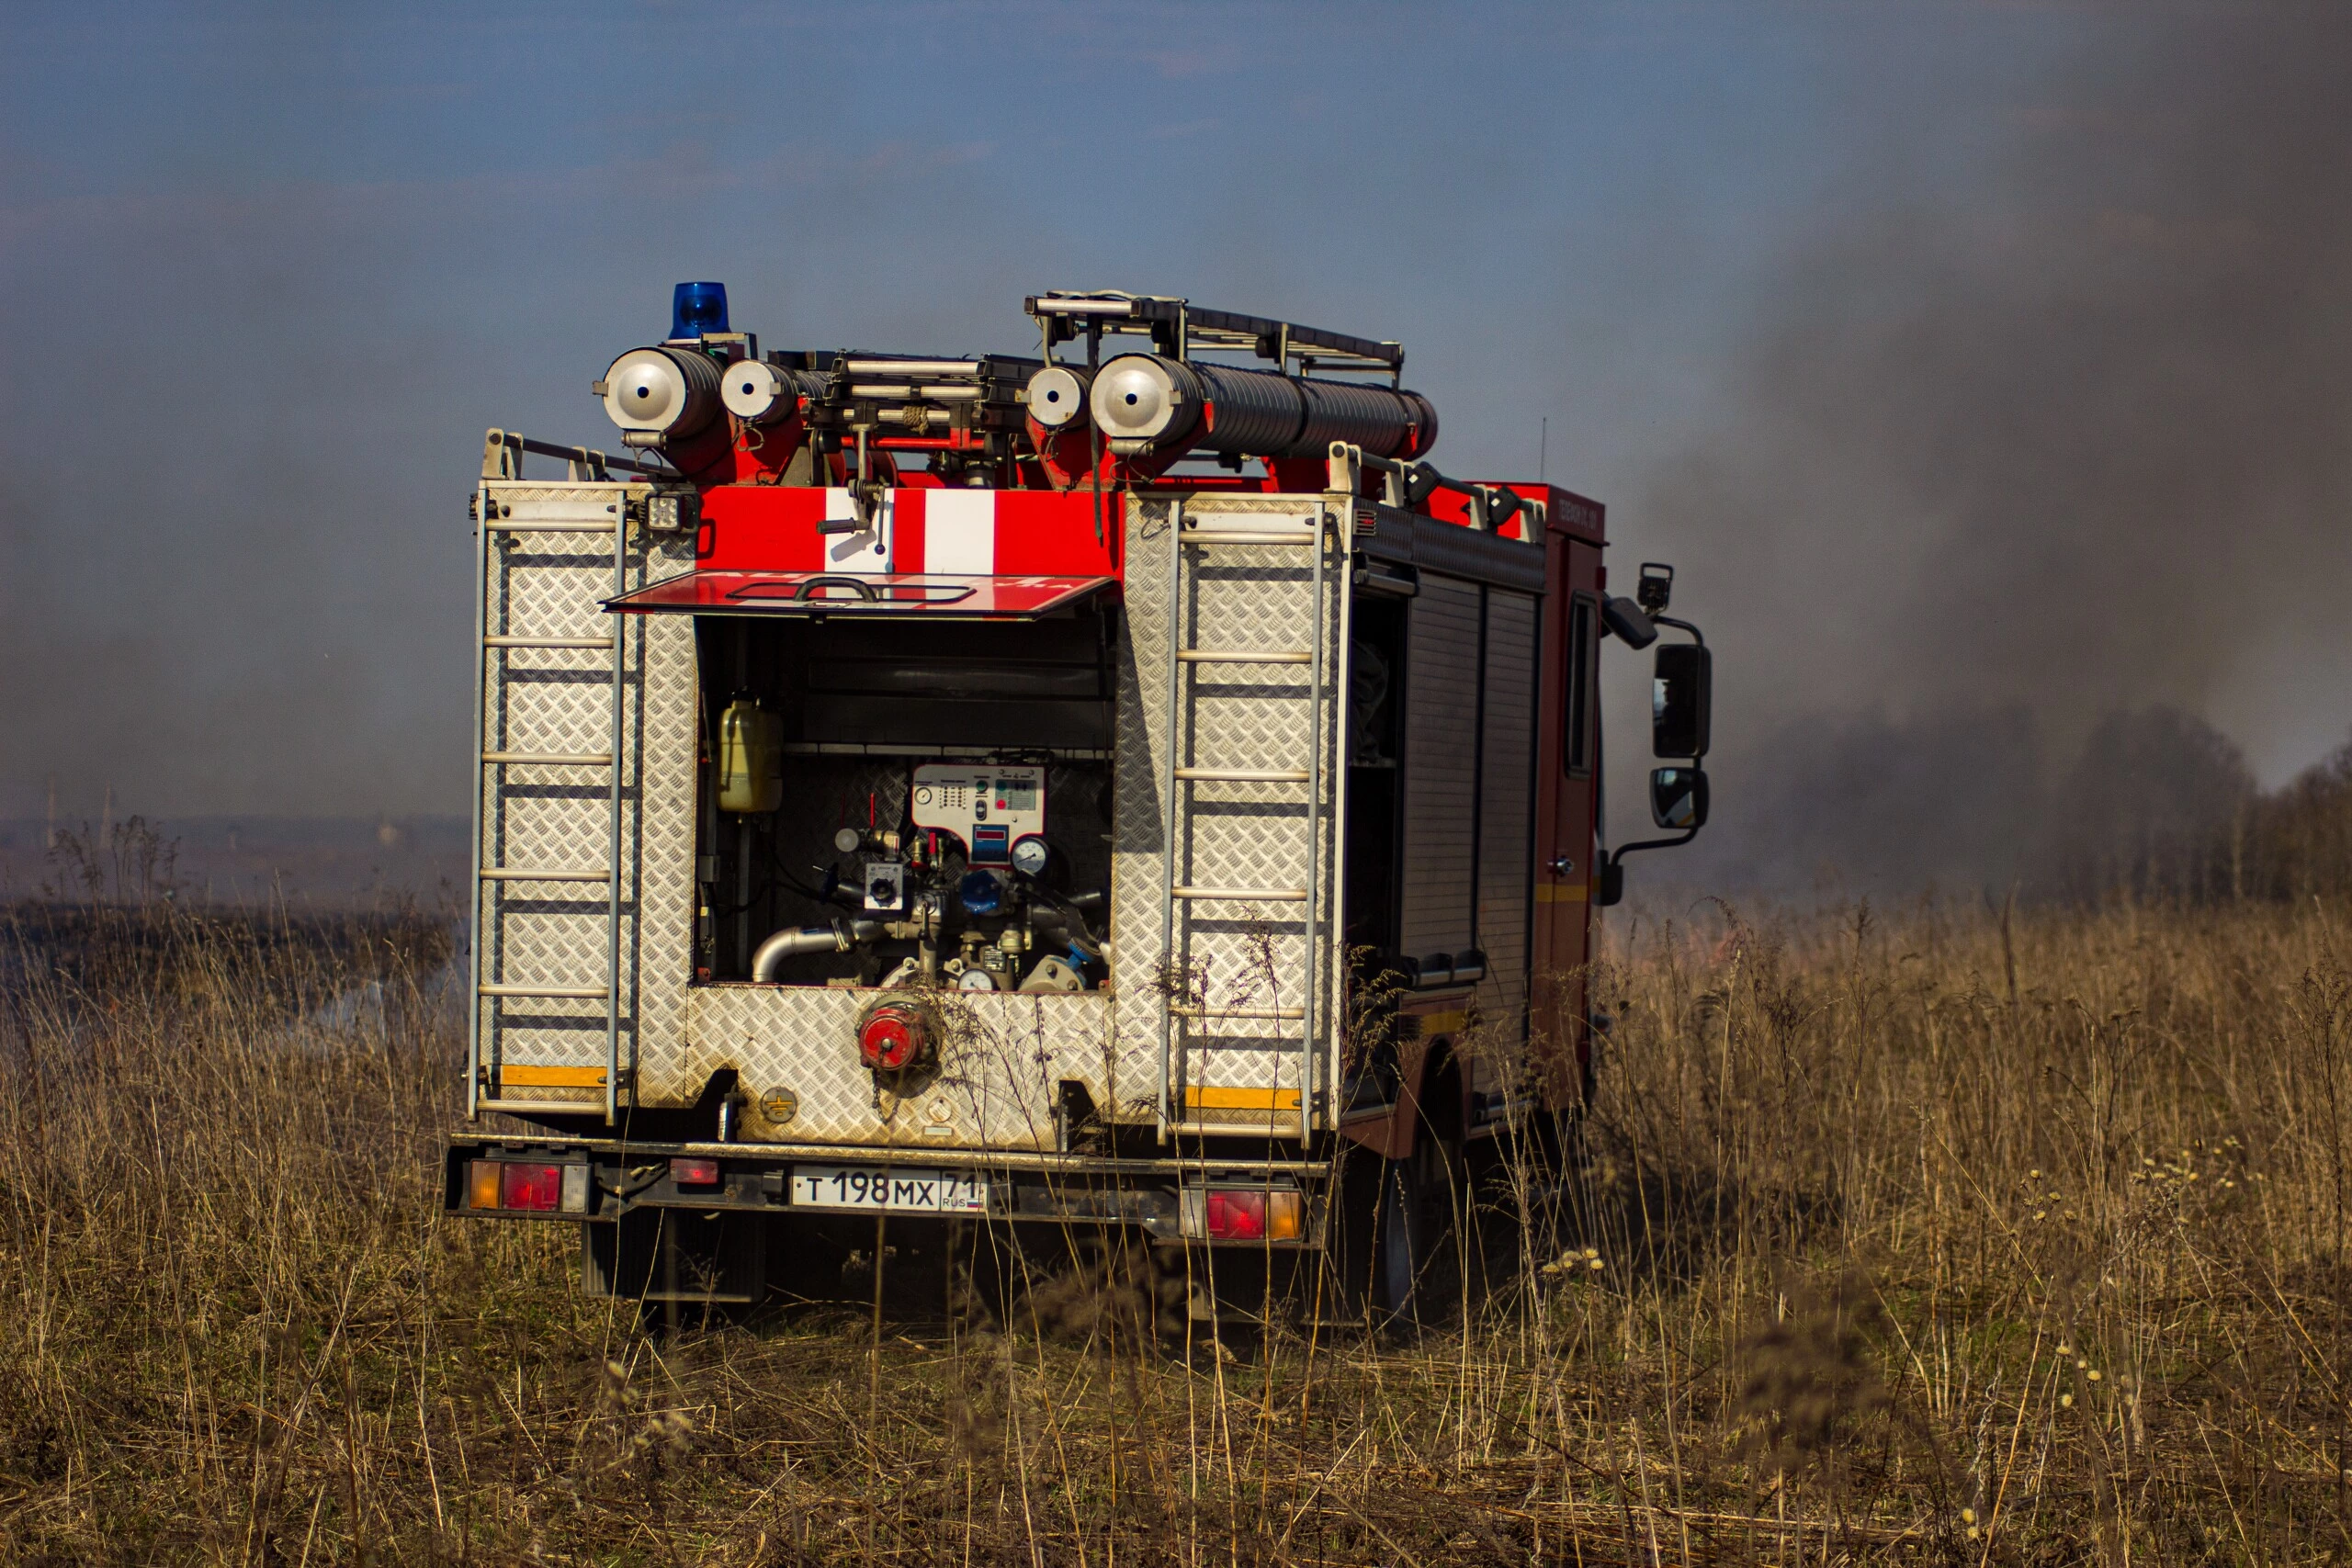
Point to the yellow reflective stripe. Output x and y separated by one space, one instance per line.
1242 1098
1441 1022
1563 892
521 1076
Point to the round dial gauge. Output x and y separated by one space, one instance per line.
976 980
1029 855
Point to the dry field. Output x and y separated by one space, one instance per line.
1915 1237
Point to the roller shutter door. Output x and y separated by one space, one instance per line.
1506 780
1441 768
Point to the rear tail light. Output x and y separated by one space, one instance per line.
1247 1213
694 1172
1236 1216
534 1187
530 1187
481 1183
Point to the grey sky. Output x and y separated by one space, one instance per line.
269 272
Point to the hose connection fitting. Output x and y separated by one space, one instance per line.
897 1033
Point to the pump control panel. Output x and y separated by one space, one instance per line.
990 806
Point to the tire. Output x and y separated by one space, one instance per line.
1395 1258
1425 1215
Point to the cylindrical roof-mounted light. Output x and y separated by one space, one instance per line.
759 394
661 394
1147 402
1057 395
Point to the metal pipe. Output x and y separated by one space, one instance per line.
1172 758
576 454
910 389
613 835
482 891
839 937
1314 846
913 366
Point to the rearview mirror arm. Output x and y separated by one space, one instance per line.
1612 857
1696 635
1622 850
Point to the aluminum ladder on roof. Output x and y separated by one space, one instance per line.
1244 786
544 1014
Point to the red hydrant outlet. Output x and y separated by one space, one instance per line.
894 1036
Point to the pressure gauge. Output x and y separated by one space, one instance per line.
976 980
1030 854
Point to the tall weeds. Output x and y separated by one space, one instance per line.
1955 1235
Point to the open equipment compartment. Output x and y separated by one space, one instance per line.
861 741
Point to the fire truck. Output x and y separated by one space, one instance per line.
1125 791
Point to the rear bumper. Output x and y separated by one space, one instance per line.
620 1178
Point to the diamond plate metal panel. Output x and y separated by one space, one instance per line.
658 832
996 1085
1138 954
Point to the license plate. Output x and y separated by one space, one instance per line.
891 1191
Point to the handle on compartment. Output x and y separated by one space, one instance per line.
834 579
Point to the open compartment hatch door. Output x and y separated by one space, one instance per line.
932 596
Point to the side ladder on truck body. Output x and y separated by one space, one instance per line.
548 1021
1248 796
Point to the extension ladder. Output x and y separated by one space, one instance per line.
545 1022
1243 787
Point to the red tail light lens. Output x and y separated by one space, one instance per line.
535 1187
694 1172
1236 1216
1253 1214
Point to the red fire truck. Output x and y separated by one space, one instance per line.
1127 790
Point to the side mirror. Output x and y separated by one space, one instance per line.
1681 694
1612 890
1679 797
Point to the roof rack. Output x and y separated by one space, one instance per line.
1179 329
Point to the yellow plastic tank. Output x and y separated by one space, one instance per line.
751 758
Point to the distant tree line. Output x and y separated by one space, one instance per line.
2161 804
2155 804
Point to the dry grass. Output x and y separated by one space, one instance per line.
1937 1238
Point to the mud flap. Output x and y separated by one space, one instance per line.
676 1256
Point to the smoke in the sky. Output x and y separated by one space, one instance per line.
1967 426
2002 458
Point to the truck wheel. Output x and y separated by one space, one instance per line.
1394 1259
1423 1254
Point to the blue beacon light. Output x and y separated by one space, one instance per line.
696 308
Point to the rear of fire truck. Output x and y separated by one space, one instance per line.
1123 794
